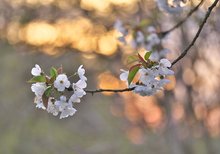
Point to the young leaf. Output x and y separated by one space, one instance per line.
40 78
53 72
132 72
48 91
147 55
143 62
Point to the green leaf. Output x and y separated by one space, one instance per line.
48 91
132 59
40 78
53 72
132 72
147 55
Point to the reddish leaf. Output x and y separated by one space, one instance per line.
60 70
45 100
144 63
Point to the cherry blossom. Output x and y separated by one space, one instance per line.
61 82
39 103
81 73
124 75
36 71
48 91
38 88
52 107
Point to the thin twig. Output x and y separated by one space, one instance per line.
162 34
197 34
105 90
110 90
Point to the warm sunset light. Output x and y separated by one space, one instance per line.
110 76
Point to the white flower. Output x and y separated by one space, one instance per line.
153 39
144 90
61 82
164 62
119 27
163 67
78 88
140 37
162 82
151 29
133 44
81 72
124 75
51 107
74 99
122 39
61 104
38 88
36 71
148 75
151 88
65 108
39 103
122 30
164 6
68 111
156 55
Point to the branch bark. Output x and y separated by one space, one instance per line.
198 32
162 34
105 90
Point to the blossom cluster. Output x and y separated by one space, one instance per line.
172 7
143 37
151 75
50 90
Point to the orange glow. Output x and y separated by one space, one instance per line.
107 44
40 33
171 85
200 111
213 121
99 5
152 113
132 113
189 76
105 5
80 34
108 81
178 111
138 108
135 134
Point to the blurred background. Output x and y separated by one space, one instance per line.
183 119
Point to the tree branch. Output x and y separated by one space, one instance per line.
105 90
197 34
162 34
110 90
